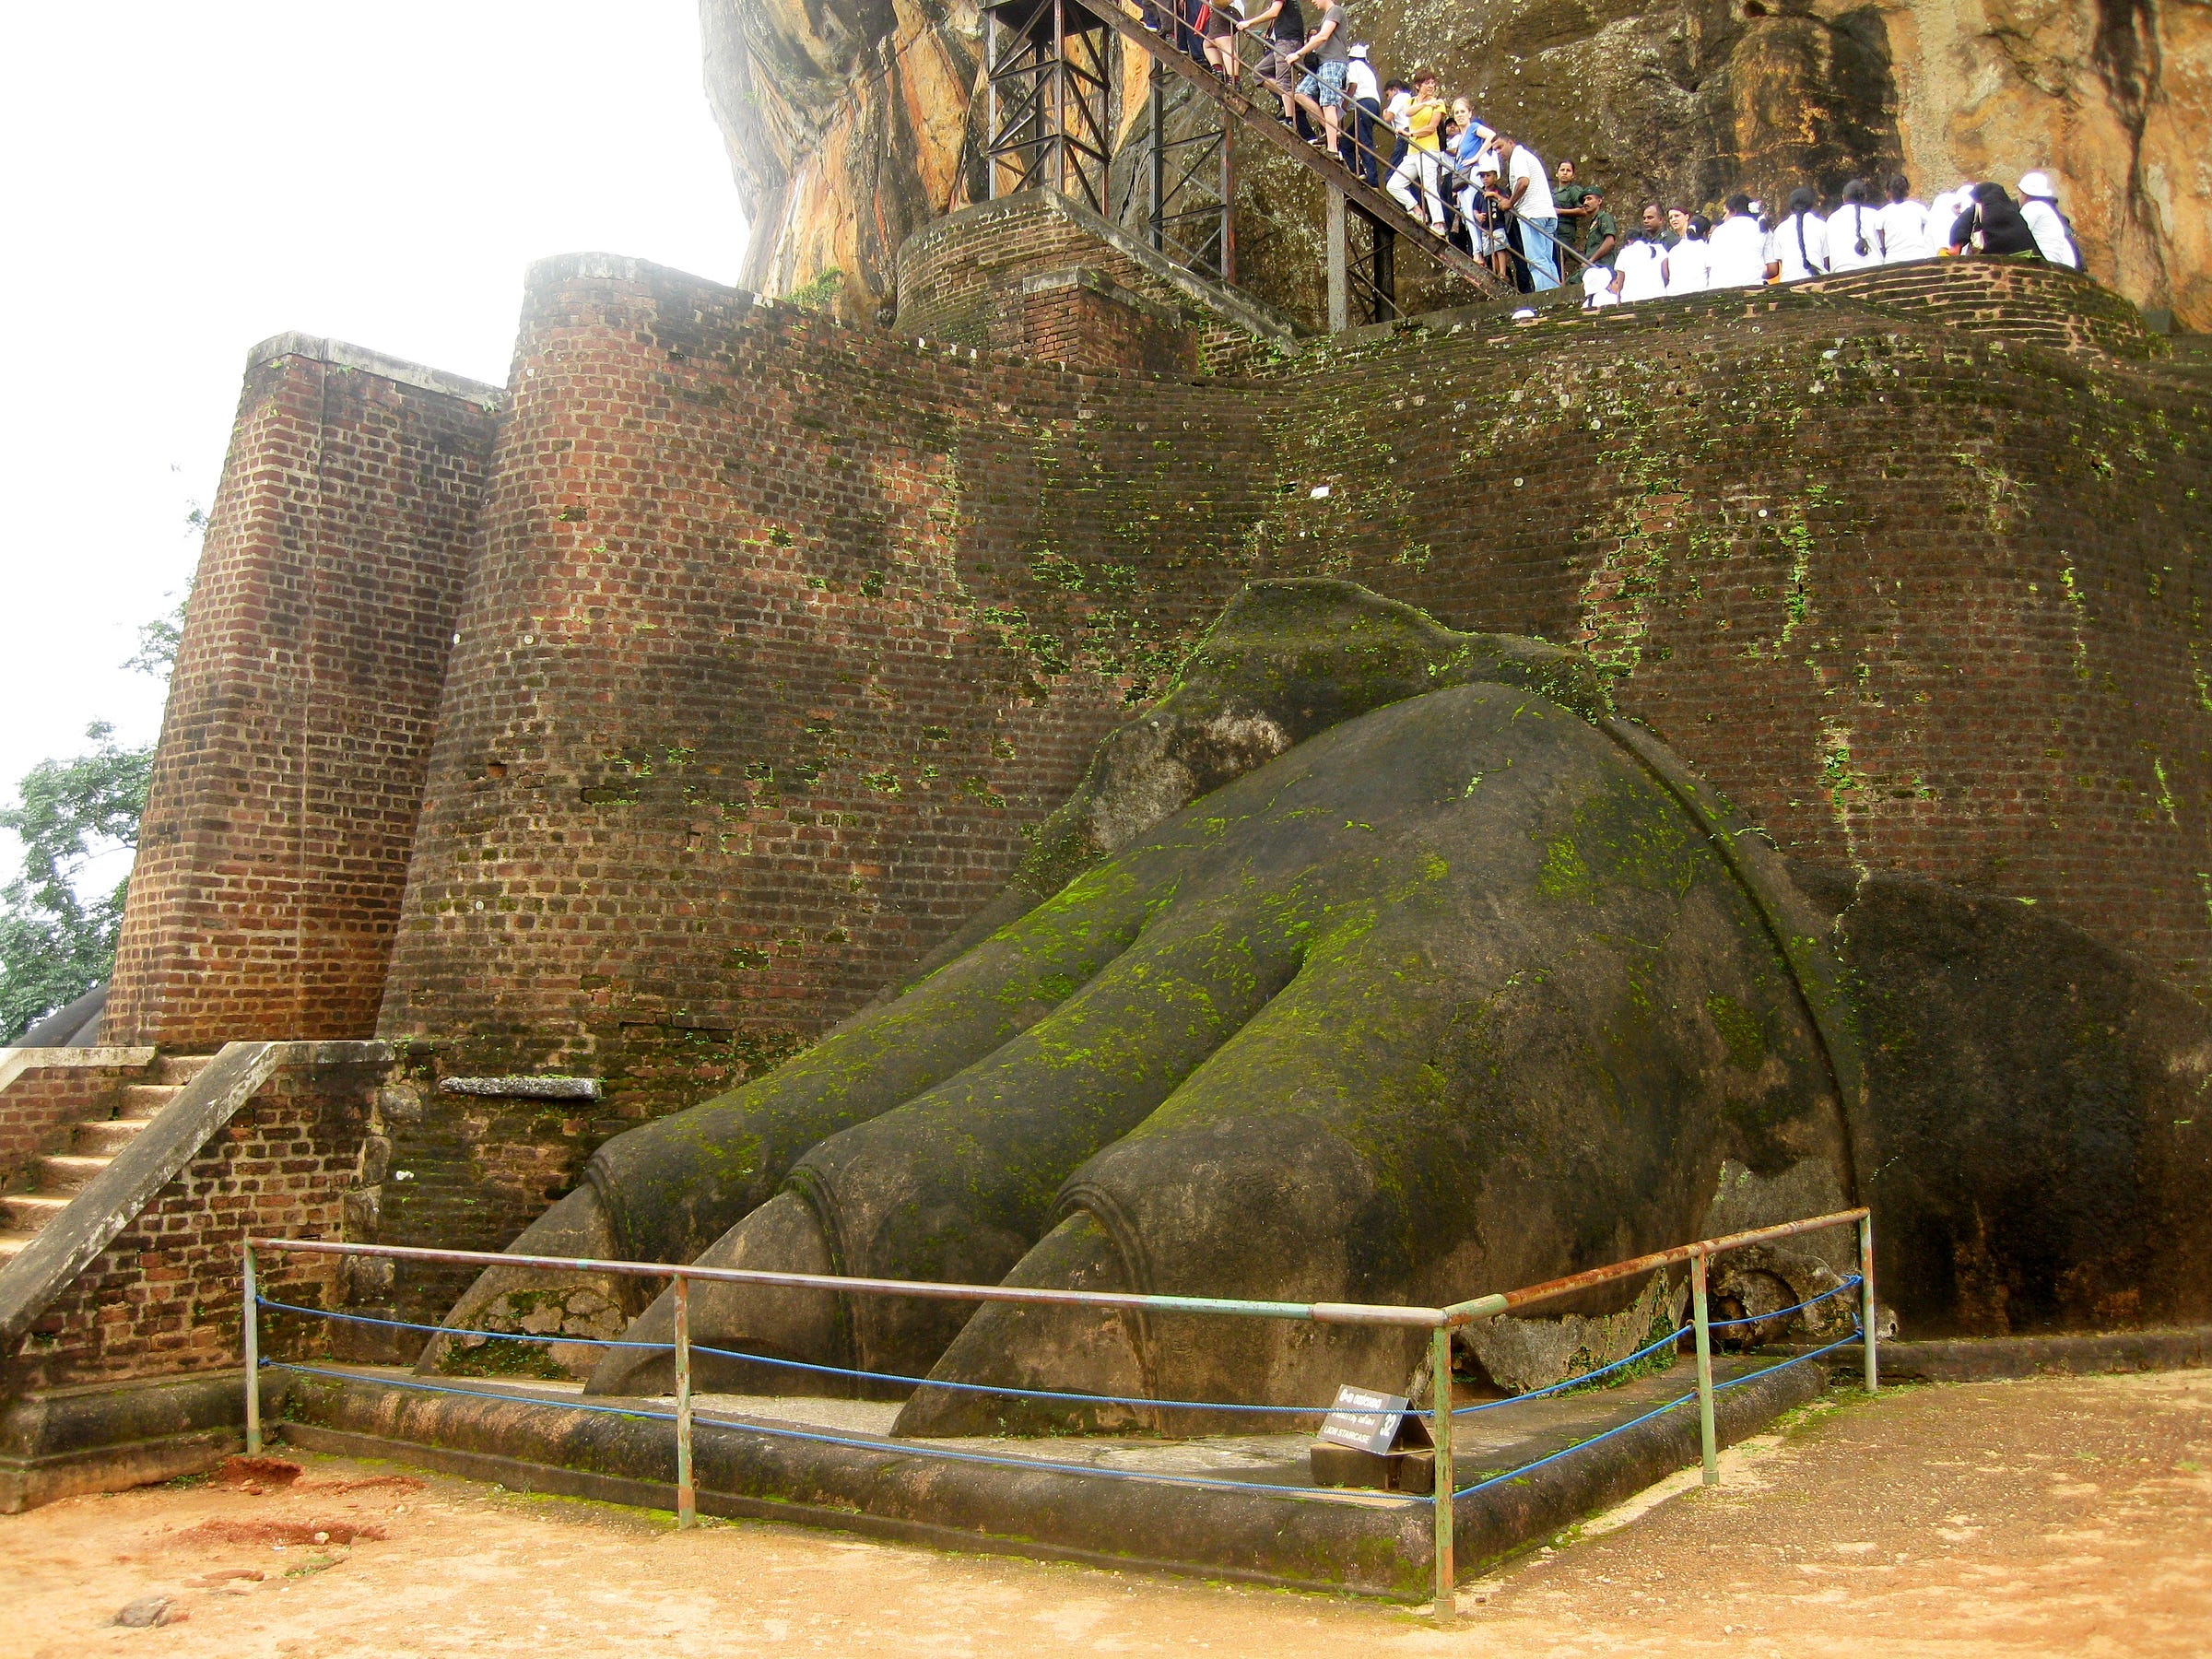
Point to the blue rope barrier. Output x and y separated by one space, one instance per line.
909 1447
1767 1370
1853 1283
1584 1378
831 1370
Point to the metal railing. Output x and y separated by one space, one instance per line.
1441 1323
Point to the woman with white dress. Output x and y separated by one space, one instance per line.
1855 231
1689 263
1903 225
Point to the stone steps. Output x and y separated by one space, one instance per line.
60 1176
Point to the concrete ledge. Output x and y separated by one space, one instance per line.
320 348
15 1062
104 1437
1990 1358
888 1489
107 1204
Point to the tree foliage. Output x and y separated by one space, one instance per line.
55 944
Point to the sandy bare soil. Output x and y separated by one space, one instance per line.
2067 1516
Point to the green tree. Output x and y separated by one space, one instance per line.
55 944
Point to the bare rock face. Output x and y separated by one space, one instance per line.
849 121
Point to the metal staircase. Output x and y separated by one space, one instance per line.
1049 79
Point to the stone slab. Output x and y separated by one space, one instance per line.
536 1440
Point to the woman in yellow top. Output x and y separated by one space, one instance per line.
1423 158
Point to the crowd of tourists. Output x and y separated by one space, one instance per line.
1490 193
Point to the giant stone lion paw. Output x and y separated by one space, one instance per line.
1375 964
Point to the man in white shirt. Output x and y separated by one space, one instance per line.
1528 192
2053 236
1798 246
1640 268
1943 214
1738 247
1903 225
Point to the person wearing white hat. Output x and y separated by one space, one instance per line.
2053 236
1366 95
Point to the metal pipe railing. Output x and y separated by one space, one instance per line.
1438 1322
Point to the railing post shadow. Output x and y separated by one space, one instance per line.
250 1325
1439 1390
687 1496
1704 1324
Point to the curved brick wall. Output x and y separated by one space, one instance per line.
2026 300
778 636
1917 596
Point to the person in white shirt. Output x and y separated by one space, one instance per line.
1737 251
1903 225
1640 268
1855 231
1597 288
1366 93
1528 192
2053 237
1797 247
1942 213
1689 263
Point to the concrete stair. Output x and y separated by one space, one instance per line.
60 1176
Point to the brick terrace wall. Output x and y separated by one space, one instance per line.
1078 316
39 1109
274 841
163 1298
962 279
2025 302
780 635
1917 598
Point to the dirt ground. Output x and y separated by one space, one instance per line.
2059 1516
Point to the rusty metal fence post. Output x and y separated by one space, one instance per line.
687 1496
1874 1378
1704 1323
1440 1488
250 1322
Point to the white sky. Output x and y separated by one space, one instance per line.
179 180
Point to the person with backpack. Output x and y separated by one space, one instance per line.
1797 246
2054 235
1993 226
1855 231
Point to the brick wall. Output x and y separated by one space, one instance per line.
1039 276
2023 300
162 1300
1918 598
780 635
275 843
40 1108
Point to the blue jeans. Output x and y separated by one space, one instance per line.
1543 255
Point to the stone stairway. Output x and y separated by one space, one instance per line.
60 1176
1254 108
